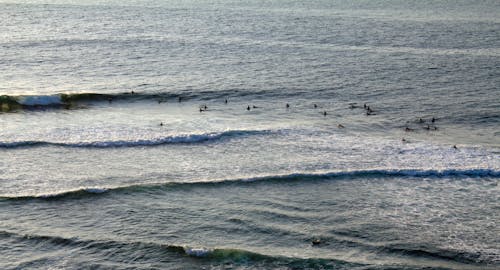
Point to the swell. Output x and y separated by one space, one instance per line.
179 139
235 255
214 255
415 250
72 100
380 173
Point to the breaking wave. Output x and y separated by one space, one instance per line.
70 100
212 256
179 139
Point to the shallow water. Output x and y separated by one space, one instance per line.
108 162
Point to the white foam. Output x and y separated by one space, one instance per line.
197 252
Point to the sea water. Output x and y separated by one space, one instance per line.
233 135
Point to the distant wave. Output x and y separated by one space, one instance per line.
65 100
179 139
90 191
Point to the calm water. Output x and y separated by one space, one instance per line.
155 135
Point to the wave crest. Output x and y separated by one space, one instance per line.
91 191
179 139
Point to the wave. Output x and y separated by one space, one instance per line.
179 139
237 255
61 100
91 191
73 100
64 99
211 256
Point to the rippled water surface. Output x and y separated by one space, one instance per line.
253 135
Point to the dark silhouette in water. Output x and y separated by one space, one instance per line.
340 126
255 107
421 120
110 100
403 140
161 124
179 99
225 101
315 106
316 242
433 120
455 146
287 105
248 107
324 113
407 129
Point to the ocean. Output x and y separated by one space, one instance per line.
249 134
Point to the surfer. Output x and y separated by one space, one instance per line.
287 105
324 113
340 126
315 106
248 107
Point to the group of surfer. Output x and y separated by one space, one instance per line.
368 111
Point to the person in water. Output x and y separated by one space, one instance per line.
248 107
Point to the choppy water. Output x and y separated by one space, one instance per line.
103 168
